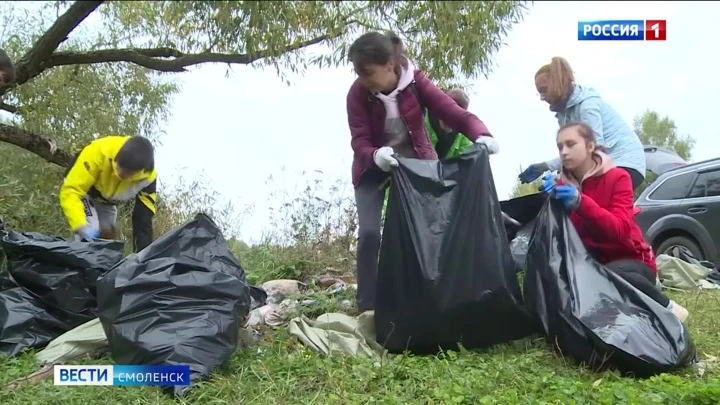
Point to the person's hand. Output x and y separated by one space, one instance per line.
489 142
549 183
533 172
87 232
384 160
569 195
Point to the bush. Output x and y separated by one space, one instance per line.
29 192
311 231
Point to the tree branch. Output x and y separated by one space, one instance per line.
39 145
30 65
43 55
8 107
152 58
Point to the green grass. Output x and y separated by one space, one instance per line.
279 371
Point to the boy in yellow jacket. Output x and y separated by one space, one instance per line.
108 171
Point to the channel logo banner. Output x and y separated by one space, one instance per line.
122 375
622 30
611 30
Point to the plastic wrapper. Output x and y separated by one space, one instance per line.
523 211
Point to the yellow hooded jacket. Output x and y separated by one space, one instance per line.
94 173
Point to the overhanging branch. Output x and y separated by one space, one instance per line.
39 145
170 59
7 107
43 55
30 65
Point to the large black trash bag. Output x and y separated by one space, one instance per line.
178 301
523 210
445 273
590 313
49 286
24 322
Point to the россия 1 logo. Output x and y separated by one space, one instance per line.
622 30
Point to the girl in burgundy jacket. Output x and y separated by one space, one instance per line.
385 115
600 197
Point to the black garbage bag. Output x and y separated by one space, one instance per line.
180 300
522 210
590 313
446 275
49 287
258 297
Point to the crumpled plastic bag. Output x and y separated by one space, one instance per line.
273 315
49 286
278 290
520 244
181 300
523 210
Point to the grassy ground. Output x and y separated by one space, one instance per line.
279 371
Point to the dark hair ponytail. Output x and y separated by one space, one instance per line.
375 48
398 46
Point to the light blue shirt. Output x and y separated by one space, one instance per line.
620 141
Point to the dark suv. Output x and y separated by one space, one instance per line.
682 207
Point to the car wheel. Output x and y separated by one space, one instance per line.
668 244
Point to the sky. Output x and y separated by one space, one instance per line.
238 131
235 132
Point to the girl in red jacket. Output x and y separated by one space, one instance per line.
385 108
600 198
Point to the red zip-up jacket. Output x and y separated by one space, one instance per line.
605 220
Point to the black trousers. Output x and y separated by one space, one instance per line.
369 199
640 276
636 177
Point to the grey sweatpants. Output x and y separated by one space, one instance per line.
99 215
369 198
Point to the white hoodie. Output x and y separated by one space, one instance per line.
396 133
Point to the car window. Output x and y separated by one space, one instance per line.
706 185
674 188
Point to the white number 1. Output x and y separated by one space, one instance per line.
656 27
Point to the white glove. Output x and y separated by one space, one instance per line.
489 142
383 158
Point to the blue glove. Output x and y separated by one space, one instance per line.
533 172
569 195
87 232
549 183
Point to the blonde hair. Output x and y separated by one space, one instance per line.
560 77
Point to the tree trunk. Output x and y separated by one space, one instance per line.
41 146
